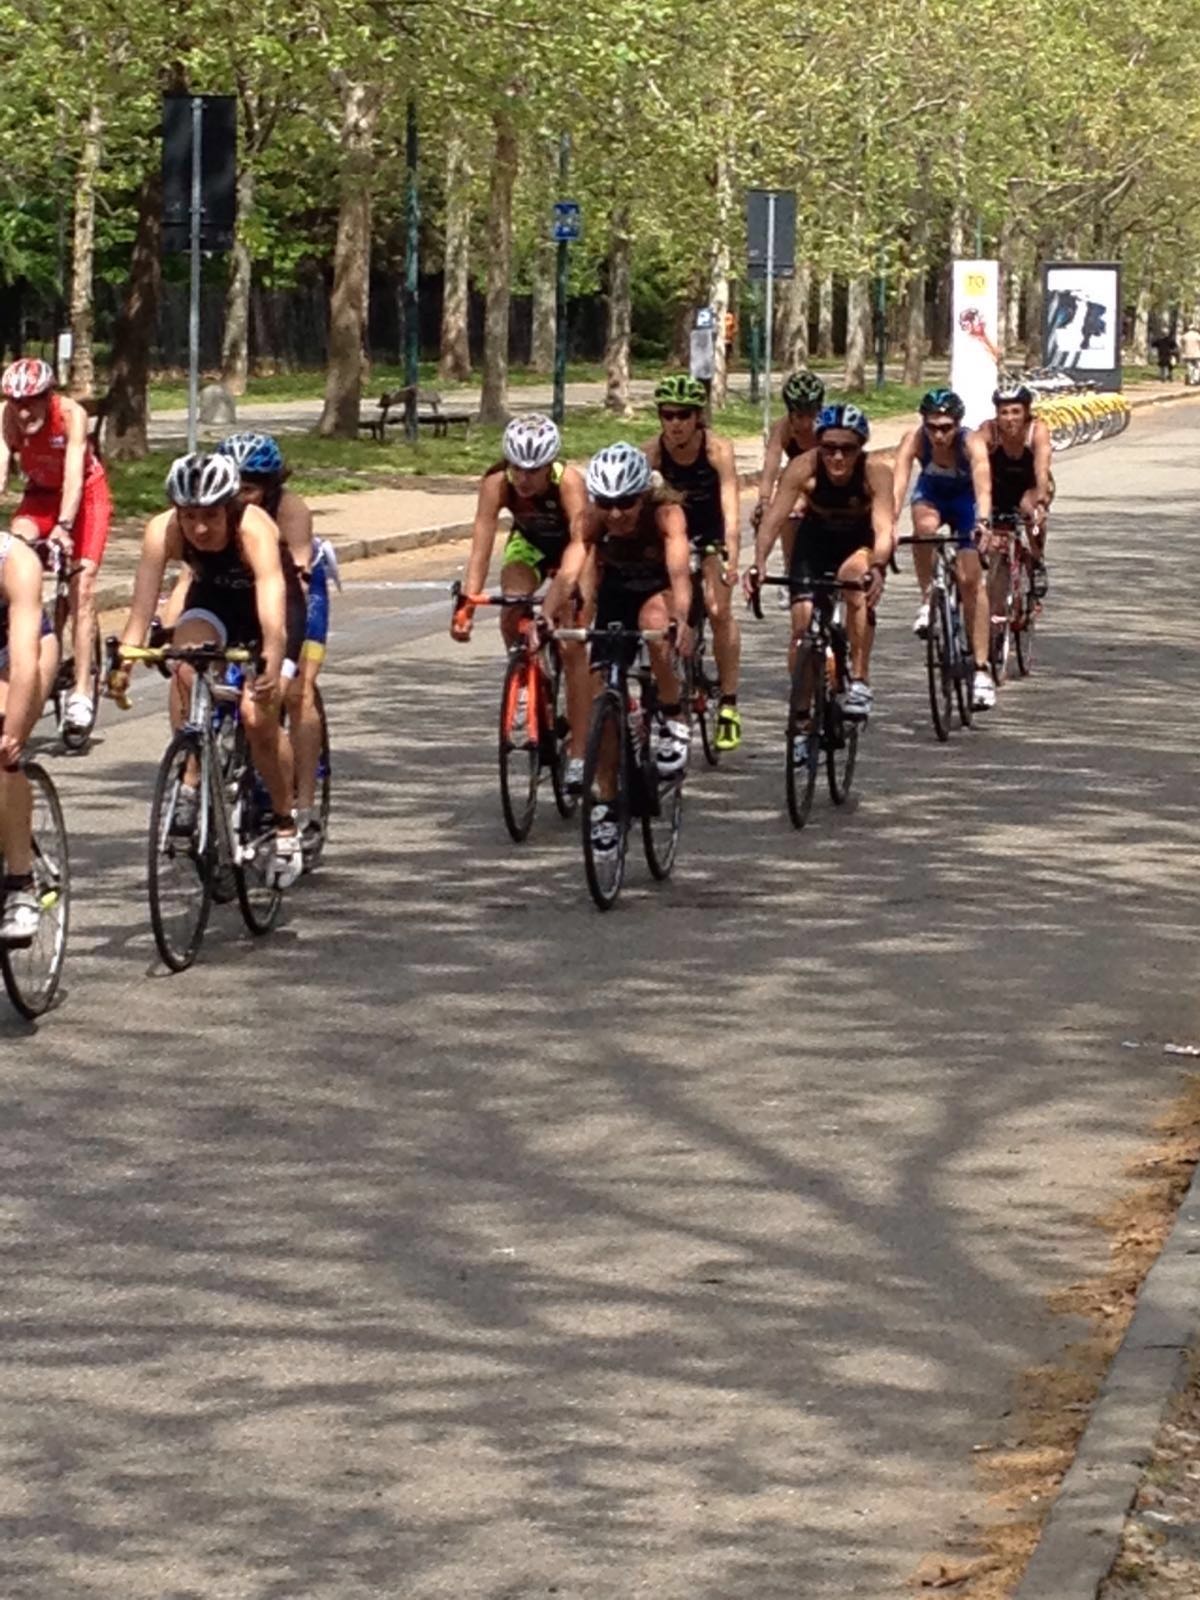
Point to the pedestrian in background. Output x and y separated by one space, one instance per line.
1167 350
1189 348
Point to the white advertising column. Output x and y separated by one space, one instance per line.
974 348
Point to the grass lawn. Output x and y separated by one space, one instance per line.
337 466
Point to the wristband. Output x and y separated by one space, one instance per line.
67 527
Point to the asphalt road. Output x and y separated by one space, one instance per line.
458 1242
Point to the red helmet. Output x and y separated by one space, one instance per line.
27 378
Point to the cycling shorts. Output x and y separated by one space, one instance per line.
47 628
233 614
316 622
544 559
819 553
954 503
617 602
92 521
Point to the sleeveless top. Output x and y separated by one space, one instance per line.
540 518
793 448
227 568
637 563
700 485
43 455
841 512
1012 476
960 472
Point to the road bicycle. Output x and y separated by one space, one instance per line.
534 730
817 726
226 848
74 738
619 769
1011 589
949 659
701 687
33 971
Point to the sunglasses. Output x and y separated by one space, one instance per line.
828 448
670 414
620 502
940 427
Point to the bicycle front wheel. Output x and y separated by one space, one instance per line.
560 731
1026 619
1000 640
939 666
254 842
520 761
605 810
964 667
660 825
806 719
702 699
32 973
182 857
324 786
841 752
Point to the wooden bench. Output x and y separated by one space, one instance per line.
393 409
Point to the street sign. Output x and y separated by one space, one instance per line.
568 221
218 171
758 207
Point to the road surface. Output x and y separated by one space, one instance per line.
461 1243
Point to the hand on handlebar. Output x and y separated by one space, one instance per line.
461 623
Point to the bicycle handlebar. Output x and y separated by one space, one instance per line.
806 586
616 631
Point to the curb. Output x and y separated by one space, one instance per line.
114 595
1082 1534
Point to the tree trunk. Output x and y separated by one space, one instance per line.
493 404
791 331
82 377
620 315
133 336
235 341
351 265
1034 355
1140 348
858 332
914 338
454 362
718 281
825 317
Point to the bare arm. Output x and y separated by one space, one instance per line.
883 514
902 469
483 531
572 492
260 550
722 457
981 477
23 582
673 524
771 464
558 602
1043 451
295 522
798 472
73 466
148 580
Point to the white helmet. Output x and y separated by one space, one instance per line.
27 378
203 480
617 472
531 442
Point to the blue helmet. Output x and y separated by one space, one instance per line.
257 455
844 416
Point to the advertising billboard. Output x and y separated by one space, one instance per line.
1081 331
974 352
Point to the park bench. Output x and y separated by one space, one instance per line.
392 407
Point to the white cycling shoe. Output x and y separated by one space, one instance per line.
858 701
573 775
19 924
79 711
671 750
605 831
921 624
983 695
289 860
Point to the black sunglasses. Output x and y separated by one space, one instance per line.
670 414
828 448
620 502
940 427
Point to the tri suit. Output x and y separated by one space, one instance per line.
699 483
949 490
633 568
540 529
837 522
42 457
221 593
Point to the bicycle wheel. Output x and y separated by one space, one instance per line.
1027 610
660 829
324 786
1001 637
520 761
254 843
78 738
182 859
806 707
841 751
702 699
964 666
560 731
32 973
939 665
604 855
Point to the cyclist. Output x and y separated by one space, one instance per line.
1019 453
701 467
243 590
28 662
637 536
954 488
545 497
792 435
264 475
847 528
66 497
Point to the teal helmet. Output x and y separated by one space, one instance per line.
942 402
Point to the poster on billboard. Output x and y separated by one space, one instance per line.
1082 328
974 353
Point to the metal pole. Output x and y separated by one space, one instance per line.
559 408
412 331
194 299
769 315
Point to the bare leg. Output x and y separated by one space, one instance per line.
305 723
727 638
83 607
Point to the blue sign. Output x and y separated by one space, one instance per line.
568 221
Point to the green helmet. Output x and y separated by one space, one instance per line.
680 390
803 391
